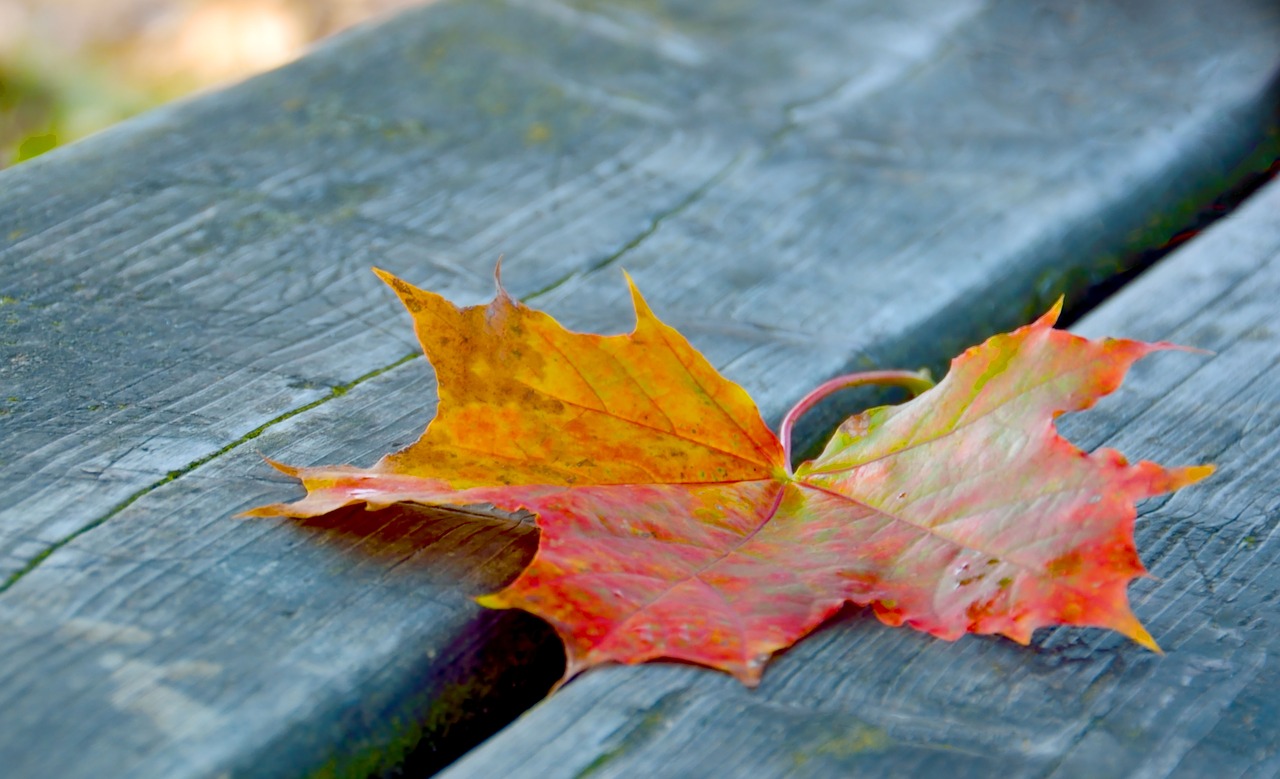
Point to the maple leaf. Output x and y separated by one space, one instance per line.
673 526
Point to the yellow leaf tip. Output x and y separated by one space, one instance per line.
1050 317
1130 626
643 312
1184 477
279 466
492 601
403 289
270 510
1141 637
386 276
1195 473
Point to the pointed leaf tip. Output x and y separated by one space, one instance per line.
1195 473
643 312
1050 317
1132 628
1146 641
402 288
270 510
493 600
1177 478
279 466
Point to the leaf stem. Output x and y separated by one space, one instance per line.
915 382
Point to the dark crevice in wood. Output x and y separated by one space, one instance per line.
485 677
1262 167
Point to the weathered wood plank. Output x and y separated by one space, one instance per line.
801 192
860 699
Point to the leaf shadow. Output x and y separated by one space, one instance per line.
475 550
482 678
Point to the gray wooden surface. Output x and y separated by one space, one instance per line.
861 699
799 189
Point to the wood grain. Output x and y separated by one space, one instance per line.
800 193
860 699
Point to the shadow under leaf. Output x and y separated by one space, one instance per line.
500 665
476 549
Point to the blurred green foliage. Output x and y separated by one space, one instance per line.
27 116
71 67
42 105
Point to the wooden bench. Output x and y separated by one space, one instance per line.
802 191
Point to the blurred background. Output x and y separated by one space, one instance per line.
71 67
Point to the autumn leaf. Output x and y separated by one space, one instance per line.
671 522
